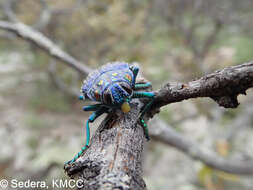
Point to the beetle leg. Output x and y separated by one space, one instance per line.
145 129
81 97
94 107
144 125
146 108
91 119
142 85
143 95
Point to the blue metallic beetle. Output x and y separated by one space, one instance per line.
113 85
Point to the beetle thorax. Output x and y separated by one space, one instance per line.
118 93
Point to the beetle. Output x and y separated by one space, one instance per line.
113 86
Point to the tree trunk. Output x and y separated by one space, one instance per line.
114 158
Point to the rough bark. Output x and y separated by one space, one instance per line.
114 158
223 86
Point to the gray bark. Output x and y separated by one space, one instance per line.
223 86
114 158
116 152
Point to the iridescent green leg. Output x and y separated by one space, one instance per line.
81 97
91 119
146 108
142 85
94 107
145 128
143 95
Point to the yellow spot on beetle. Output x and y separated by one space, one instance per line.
125 107
114 74
100 82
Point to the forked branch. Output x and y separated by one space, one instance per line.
27 33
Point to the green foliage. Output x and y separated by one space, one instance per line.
39 61
105 31
242 44
166 114
34 121
47 98
214 179
32 142
229 115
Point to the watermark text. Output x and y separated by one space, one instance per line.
30 184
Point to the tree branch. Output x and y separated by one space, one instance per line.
113 150
114 158
223 86
40 40
167 135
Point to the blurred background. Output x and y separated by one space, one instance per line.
41 119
